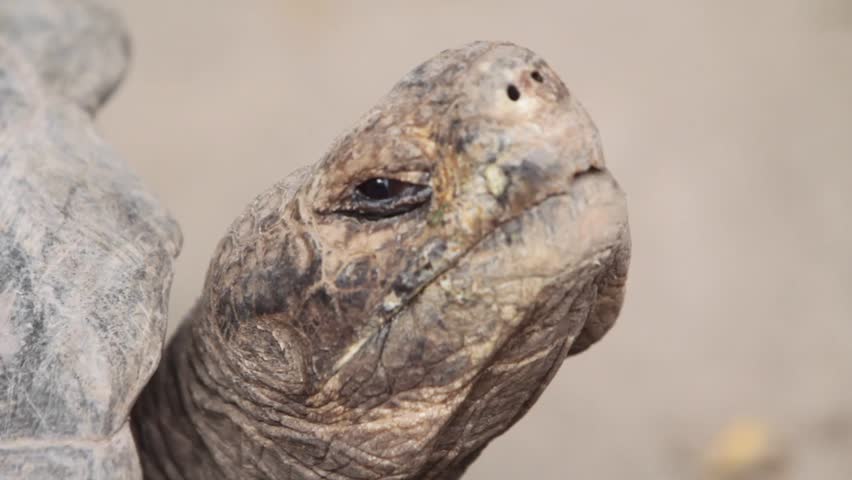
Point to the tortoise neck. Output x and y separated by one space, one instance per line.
169 422
196 419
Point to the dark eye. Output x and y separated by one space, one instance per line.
383 197
381 188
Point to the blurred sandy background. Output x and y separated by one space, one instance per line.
728 123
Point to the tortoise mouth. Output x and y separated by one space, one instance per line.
590 189
584 196
591 213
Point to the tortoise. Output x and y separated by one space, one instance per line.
383 313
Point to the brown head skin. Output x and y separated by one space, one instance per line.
355 328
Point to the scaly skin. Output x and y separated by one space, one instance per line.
339 338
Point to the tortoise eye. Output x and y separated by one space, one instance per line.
382 197
382 188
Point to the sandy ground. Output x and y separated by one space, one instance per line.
729 124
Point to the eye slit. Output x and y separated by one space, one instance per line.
380 188
513 93
381 197
536 75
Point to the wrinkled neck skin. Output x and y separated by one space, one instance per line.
183 432
346 337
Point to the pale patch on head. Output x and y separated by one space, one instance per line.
496 180
392 302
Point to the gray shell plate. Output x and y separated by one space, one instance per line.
86 253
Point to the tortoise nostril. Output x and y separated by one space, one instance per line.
513 93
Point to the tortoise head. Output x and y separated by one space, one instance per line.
410 296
